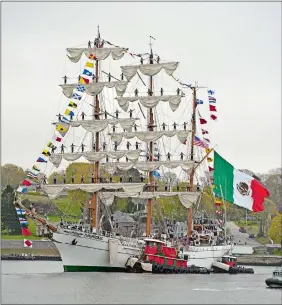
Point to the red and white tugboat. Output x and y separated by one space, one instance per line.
157 257
228 264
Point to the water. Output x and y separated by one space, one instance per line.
45 283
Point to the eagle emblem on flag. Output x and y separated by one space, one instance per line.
243 188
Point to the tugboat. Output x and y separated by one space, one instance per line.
276 280
228 264
157 257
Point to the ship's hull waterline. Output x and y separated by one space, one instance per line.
93 255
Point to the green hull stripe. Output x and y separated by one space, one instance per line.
92 269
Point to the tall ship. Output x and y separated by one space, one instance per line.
136 116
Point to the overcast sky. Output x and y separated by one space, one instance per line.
234 48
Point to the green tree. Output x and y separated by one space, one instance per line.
12 174
275 230
264 217
9 218
170 207
77 200
207 200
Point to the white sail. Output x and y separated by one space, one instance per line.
100 125
149 69
148 166
186 198
55 190
95 88
100 53
150 136
94 156
150 101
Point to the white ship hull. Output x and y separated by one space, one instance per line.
89 254
205 256
93 254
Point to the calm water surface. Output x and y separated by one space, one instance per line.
46 283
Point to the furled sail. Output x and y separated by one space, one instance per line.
95 88
187 199
74 54
100 125
93 156
148 166
55 190
149 136
151 101
149 69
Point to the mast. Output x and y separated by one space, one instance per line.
189 216
150 121
96 111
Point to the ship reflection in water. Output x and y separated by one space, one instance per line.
46 283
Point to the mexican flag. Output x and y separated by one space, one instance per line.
238 187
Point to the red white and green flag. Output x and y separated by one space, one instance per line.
238 187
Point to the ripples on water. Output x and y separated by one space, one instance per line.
46 283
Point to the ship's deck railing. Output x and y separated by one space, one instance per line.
156 188
130 242
76 228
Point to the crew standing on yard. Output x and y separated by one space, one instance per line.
53 148
168 156
104 146
72 147
62 148
82 147
128 145
130 113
